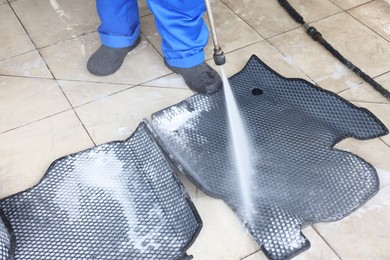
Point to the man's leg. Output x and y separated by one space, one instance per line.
184 36
119 32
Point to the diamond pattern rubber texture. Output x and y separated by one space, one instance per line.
299 177
119 200
5 242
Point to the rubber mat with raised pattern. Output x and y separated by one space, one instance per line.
299 177
119 200
5 242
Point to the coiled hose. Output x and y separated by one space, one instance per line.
316 35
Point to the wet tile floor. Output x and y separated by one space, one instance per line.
51 106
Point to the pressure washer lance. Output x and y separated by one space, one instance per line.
317 36
219 56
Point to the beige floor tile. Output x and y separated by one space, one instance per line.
236 60
325 69
382 111
233 33
14 39
28 151
313 10
360 45
29 64
365 233
375 15
318 250
374 151
266 17
366 93
110 108
67 61
49 22
149 30
188 185
169 81
3 1
270 19
143 8
256 256
223 237
384 177
24 100
117 116
80 93
347 4
314 61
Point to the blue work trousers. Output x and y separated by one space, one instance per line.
184 33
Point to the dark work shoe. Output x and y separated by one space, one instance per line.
106 60
201 78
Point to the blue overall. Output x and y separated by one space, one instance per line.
179 22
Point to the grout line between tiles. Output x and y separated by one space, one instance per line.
363 82
109 95
314 21
98 82
368 102
245 257
68 39
288 30
17 55
25 30
21 24
243 47
146 38
299 26
351 7
296 66
77 115
85 128
126 89
227 6
365 25
141 84
326 242
382 74
163 87
388 145
159 77
75 112
37 120
25 77
318 20
271 37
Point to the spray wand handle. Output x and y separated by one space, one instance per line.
219 56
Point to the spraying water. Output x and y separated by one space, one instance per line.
241 146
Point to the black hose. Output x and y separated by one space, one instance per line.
291 11
316 35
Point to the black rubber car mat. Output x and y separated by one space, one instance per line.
5 242
293 125
120 200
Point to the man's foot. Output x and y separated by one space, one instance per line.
201 78
106 60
